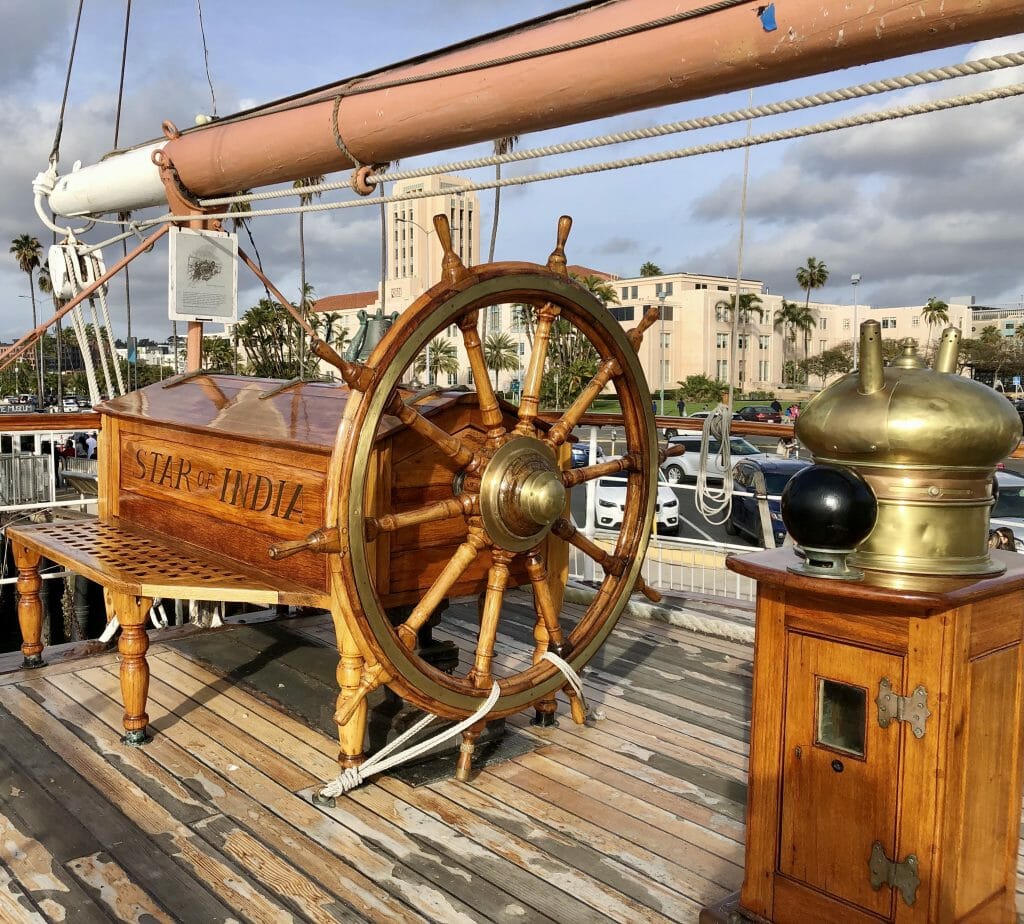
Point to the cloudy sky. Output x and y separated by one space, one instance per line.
928 206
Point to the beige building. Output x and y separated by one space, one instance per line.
694 335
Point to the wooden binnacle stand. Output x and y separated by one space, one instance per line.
885 754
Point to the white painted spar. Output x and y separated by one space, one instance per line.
131 177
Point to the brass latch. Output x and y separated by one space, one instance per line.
912 709
902 876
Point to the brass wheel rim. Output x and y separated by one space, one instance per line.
411 677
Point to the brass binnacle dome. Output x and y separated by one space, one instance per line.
927 442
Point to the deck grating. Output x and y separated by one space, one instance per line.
635 817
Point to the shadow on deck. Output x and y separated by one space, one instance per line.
638 817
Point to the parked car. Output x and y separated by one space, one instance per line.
704 415
684 468
1008 509
610 501
581 454
745 515
759 413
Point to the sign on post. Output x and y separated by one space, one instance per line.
203 277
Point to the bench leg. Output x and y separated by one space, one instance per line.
30 607
132 645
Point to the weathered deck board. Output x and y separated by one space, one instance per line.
637 817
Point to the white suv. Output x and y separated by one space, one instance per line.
684 468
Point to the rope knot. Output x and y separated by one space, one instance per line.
44 182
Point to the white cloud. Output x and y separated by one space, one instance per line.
922 206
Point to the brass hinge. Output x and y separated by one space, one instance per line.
902 876
912 709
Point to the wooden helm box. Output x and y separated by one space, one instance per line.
232 465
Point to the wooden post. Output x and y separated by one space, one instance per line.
30 610
132 645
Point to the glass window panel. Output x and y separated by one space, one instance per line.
842 710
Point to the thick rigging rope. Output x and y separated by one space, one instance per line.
827 97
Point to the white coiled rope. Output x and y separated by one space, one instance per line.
715 504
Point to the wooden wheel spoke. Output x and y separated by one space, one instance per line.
636 334
451 446
529 403
612 564
463 506
577 476
565 424
490 411
547 613
497 580
464 556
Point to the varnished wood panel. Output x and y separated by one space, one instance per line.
996 624
814 615
796 902
988 818
835 804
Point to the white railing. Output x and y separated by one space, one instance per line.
677 566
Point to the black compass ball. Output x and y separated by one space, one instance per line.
828 507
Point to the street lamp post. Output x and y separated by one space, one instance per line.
661 349
854 279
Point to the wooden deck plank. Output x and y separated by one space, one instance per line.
698 722
642 728
206 865
457 875
116 891
563 890
635 817
118 835
47 884
226 783
609 861
600 881
15 906
631 821
330 854
706 808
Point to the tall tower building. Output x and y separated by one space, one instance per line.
414 253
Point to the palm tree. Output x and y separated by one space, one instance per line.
812 276
218 354
602 289
805 322
45 284
786 318
26 249
501 353
750 303
651 269
443 358
305 198
935 312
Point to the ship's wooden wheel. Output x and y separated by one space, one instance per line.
509 491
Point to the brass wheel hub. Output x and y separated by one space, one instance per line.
521 494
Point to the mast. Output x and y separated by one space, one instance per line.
722 47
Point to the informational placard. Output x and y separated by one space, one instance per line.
203 276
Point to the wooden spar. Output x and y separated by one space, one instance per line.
712 54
